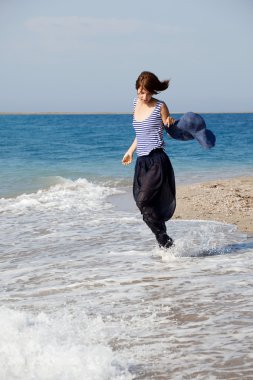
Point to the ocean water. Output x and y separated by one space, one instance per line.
85 293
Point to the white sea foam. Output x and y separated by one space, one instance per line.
66 347
80 194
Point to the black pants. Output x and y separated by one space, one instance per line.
154 190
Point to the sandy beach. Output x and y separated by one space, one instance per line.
229 201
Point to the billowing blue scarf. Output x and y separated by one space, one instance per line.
191 126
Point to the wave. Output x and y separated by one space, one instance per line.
77 195
66 346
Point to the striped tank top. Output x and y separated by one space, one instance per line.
149 132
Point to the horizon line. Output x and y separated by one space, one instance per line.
110 113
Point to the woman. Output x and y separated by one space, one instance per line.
154 182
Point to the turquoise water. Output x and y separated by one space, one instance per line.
85 293
34 149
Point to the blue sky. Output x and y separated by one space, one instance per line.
84 56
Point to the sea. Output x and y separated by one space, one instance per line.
85 292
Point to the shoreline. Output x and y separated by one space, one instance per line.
224 200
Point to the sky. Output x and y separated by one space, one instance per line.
85 56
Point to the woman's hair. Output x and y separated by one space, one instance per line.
151 83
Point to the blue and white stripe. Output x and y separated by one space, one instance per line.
149 132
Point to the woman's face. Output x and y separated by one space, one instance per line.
144 95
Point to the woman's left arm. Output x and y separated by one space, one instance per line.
165 114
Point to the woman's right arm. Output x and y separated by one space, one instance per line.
128 156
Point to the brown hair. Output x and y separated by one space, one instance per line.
151 83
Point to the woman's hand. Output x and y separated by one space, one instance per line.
128 158
169 121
